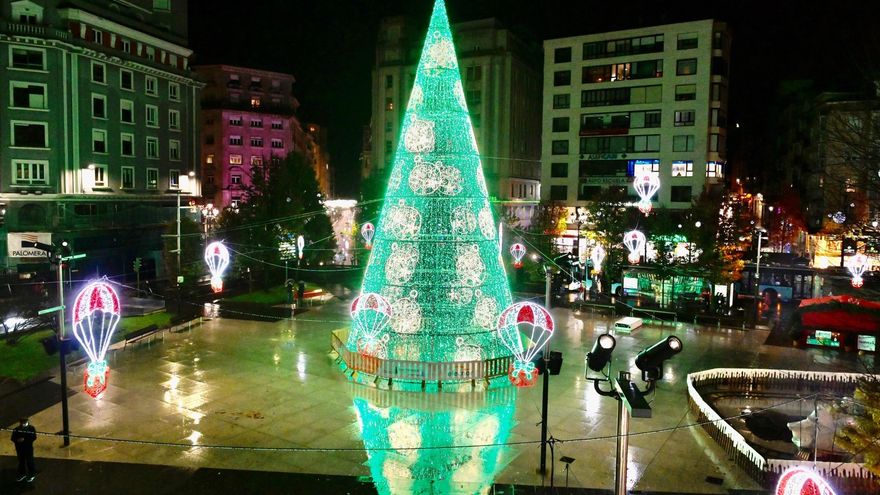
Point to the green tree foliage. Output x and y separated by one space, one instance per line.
282 202
862 437
608 219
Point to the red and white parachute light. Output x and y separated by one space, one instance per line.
857 265
800 481
217 258
370 315
529 320
646 185
517 251
300 245
635 244
96 312
597 256
367 231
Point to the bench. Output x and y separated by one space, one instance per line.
141 334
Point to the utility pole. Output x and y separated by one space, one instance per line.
761 232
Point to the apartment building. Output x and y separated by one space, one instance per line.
98 108
502 84
649 99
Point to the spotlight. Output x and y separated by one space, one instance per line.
598 358
650 361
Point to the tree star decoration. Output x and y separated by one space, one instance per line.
857 265
419 136
646 185
96 312
463 220
217 259
402 263
487 225
635 244
517 251
802 481
597 256
469 265
407 315
535 323
403 222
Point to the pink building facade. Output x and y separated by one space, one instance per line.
248 118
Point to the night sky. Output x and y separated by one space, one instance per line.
329 46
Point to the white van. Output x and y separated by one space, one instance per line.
628 324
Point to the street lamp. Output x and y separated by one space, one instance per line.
209 213
630 399
761 236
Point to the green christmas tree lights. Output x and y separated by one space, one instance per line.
435 255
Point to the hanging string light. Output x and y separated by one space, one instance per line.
96 312
535 323
217 259
646 185
857 265
634 241
517 251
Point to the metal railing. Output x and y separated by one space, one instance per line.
24 29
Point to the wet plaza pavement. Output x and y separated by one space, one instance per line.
271 395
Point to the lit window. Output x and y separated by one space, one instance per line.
714 170
682 168
174 179
255 102
209 159
29 171
235 159
100 172
152 178
28 95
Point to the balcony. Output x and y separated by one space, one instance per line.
36 30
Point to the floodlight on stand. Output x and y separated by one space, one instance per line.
600 355
650 361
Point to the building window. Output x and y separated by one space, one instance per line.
126 111
126 80
257 123
389 126
209 160
680 194
174 120
277 143
559 193
24 58
620 144
683 142
151 53
387 146
389 81
560 147
277 125
561 101
27 95
562 55
235 179
235 159
255 102
474 73
29 171
99 106
682 168
636 168
717 118
100 173
389 104
687 41
717 143
152 116
560 124
98 36
209 139
99 73
152 147
473 97
128 177
625 46
719 66
99 140
257 142
174 179
718 40
235 140
256 161
562 78
686 67
684 118
127 144
174 150
685 92
236 200
125 45
236 121
559 170
30 135
151 85
714 170
152 178
173 91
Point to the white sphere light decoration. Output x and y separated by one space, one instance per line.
634 241
646 185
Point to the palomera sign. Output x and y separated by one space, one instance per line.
13 244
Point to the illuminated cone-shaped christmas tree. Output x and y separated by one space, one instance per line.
435 255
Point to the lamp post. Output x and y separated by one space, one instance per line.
209 212
761 231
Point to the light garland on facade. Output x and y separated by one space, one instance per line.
96 312
435 255
217 259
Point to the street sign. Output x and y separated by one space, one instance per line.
50 310
180 279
